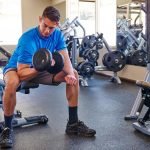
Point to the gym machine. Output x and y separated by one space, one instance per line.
138 104
112 60
133 47
7 55
18 120
69 27
89 51
143 124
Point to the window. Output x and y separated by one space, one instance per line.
87 16
10 21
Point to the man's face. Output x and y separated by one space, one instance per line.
46 26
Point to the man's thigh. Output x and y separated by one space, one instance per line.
44 78
10 75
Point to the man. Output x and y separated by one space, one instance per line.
19 68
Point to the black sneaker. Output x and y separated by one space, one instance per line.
6 140
79 128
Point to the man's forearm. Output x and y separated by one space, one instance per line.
26 74
68 69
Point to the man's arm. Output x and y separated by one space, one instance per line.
70 77
26 73
68 69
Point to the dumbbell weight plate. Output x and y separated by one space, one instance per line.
114 61
42 59
103 59
92 55
85 69
88 42
59 63
139 57
99 44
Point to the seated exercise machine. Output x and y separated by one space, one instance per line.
138 104
143 98
143 124
18 120
133 47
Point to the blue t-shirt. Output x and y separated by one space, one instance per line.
30 42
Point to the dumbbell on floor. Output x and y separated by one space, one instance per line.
44 60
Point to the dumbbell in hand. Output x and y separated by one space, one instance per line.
44 60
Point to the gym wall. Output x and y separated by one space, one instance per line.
62 9
31 10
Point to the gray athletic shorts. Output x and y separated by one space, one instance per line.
42 78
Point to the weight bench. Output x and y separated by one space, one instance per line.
143 124
18 120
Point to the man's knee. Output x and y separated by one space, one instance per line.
11 80
12 85
60 77
76 73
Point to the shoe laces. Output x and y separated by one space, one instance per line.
6 133
81 123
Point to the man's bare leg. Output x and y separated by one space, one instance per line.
9 102
9 98
74 126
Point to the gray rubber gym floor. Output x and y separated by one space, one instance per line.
103 106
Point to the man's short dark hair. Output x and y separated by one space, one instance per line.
51 13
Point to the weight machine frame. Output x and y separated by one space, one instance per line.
115 77
138 104
139 43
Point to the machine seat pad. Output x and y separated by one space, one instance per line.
143 84
23 86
